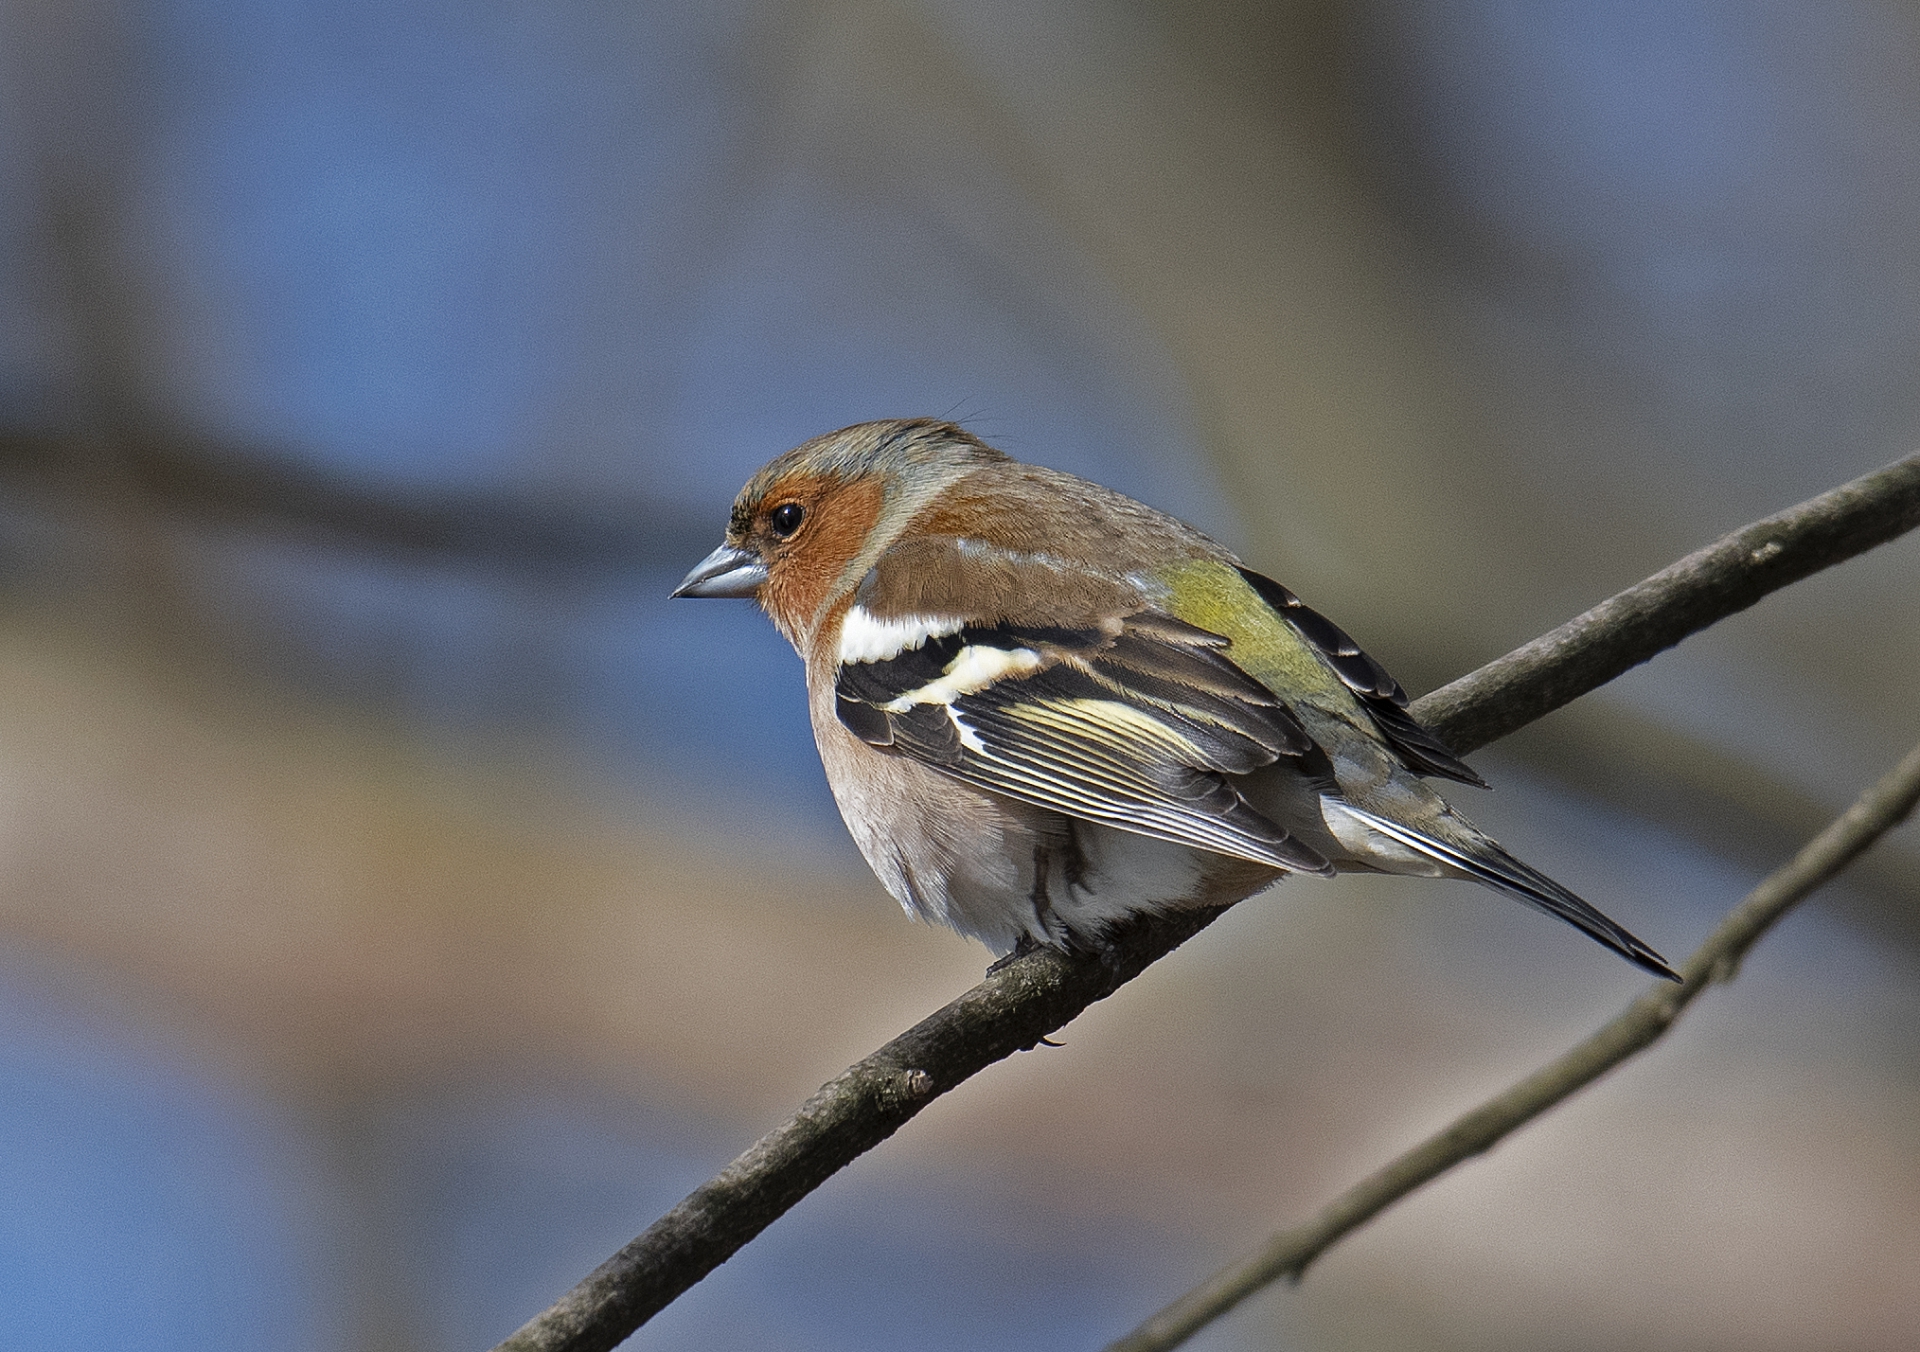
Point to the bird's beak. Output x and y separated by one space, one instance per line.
728 571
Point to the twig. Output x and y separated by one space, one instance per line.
1649 617
1027 999
1636 1028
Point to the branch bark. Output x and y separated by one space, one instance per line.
1629 1033
1024 1001
1651 616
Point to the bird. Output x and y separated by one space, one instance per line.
1044 707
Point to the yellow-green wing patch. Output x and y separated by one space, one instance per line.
1292 647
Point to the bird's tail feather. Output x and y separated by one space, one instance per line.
1486 862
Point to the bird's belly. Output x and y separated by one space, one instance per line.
998 869
1122 873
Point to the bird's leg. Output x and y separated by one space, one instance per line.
1073 864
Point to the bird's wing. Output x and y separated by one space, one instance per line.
1379 694
1140 722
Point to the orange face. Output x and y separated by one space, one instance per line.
806 527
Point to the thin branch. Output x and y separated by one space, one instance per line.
1027 999
1009 1011
1706 586
1636 1028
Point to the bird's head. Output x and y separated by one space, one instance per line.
809 525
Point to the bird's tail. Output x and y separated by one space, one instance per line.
1483 860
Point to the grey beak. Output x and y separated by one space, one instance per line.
725 572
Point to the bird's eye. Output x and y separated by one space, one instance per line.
786 518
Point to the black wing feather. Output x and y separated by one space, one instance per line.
1142 727
1382 696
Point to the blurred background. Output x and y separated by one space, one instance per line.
402 902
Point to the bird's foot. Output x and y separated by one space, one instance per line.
1022 946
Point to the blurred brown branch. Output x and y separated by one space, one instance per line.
1734 805
179 477
1629 1033
1027 999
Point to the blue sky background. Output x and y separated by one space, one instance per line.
1457 320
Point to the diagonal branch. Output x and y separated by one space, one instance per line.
1651 616
1025 1000
1636 1028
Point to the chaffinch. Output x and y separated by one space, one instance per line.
1043 706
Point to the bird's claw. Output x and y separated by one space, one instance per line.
1022 946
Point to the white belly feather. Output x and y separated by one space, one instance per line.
997 869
